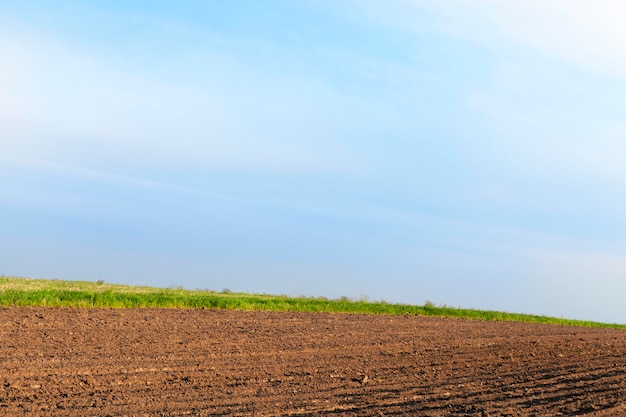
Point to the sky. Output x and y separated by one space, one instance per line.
467 153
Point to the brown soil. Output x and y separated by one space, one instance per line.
105 362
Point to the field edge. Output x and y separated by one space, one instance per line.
20 291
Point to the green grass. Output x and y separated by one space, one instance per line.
55 293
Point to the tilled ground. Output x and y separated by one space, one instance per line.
138 362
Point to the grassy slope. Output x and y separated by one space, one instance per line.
38 292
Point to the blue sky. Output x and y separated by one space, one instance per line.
468 152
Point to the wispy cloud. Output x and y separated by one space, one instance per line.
17 163
579 32
60 102
554 91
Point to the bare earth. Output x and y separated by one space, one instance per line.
106 362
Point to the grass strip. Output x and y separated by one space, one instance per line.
55 293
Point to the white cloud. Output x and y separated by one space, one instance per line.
555 121
61 103
589 34
555 86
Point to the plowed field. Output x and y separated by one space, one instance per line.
144 362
